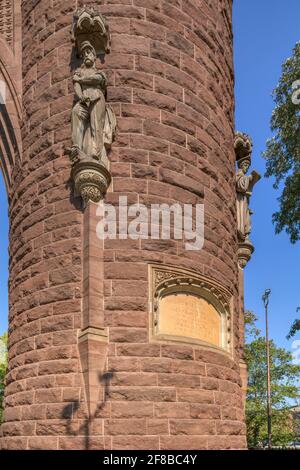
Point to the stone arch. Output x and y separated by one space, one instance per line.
10 89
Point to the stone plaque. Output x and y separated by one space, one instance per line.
189 307
189 316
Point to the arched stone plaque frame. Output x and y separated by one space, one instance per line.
194 292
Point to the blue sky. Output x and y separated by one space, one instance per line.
265 32
3 257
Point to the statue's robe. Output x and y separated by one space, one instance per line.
243 187
88 122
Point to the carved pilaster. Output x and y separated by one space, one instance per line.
93 337
93 132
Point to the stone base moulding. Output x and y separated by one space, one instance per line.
92 344
96 334
190 308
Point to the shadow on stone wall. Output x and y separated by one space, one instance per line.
71 408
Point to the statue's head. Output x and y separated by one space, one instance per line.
244 164
88 54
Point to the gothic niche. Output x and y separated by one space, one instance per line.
189 308
244 187
93 120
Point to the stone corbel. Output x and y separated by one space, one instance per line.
91 181
245 252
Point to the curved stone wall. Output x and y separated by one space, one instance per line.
170 78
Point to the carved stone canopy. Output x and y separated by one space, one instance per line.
90 25
243 147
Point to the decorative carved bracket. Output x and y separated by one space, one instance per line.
245 252
91 180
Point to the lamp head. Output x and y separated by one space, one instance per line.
265 297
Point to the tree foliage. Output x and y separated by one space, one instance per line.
250 324
283 149
3 367
295 327
284 375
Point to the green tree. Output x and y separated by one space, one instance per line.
283 149
284 375
3 367
250 324
295 327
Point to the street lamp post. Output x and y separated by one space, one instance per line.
265 299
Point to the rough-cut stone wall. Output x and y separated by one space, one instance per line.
171 85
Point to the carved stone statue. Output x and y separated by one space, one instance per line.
93 120
244 187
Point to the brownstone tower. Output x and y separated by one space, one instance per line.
104 348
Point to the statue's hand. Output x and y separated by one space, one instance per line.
103 80
77 77
85 101
83 110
